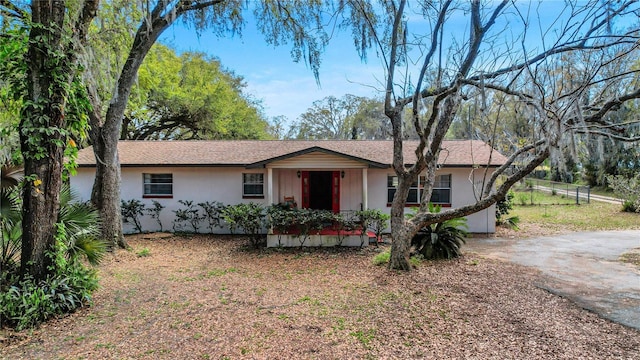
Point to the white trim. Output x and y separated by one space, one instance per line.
365 196
269 186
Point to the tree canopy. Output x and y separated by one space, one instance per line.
349 117
190 97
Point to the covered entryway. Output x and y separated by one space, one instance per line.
321 190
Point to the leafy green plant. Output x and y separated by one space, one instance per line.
310 221
280 219
155 211
248 217
187 215
25 302
212 213
374 220
502 209
441 240
523 198
81 224
10 229
132 210
28 303
345 223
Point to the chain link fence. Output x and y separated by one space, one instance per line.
532 191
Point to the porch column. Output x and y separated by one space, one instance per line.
365 199
269 186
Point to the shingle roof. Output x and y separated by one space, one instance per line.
247 152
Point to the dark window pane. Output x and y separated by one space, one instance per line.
441 196
253 184
390 194
250 189
412 198
158 184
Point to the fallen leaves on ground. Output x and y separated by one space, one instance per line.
211 297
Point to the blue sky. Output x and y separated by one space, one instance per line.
288 88
285 87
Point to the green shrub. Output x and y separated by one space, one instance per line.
248 217
155 211
523 198
374 220
24 302
80 223
187 215
311 221
502 209
441 240
131 211
280 219
504 205
345 223
27 303
212 213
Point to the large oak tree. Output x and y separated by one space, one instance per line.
280 21
433 68
57 34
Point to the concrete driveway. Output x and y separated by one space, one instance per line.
583 267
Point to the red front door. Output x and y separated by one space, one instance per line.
305 190
321 190
335 191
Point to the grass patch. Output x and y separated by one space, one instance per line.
382 258
528 197
144 252
364 337
595 216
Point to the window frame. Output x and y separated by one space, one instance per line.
417 188
246 195
150 183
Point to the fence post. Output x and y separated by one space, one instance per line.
588 194
578 195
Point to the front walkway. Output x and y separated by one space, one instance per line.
583 267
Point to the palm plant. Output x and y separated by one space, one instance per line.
10 229
81 224
441 240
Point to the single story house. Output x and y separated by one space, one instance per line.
336 175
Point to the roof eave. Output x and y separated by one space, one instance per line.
264 163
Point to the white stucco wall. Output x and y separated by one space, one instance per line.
462 193
224 184
199 184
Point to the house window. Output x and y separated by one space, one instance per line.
253 185
158 185
441 193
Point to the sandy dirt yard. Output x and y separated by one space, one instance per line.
210 297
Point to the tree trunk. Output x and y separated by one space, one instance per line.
400 236
106 132
41 205
106 187
51 68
